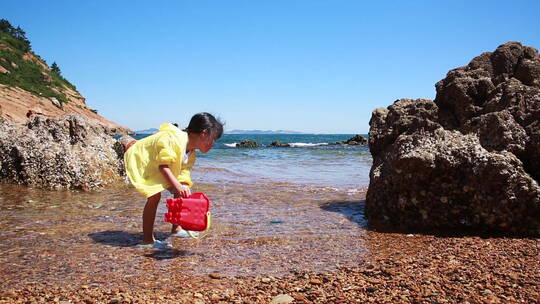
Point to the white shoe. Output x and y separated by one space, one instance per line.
184 233
160 245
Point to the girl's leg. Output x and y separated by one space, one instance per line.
149 216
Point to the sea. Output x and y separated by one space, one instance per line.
313 160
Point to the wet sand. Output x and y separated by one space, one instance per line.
309 243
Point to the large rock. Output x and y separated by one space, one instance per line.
70 152
471 158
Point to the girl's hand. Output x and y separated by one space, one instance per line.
183 190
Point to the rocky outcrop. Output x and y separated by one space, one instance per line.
354 141
469 159
70 152
248 144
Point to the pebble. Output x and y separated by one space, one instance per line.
8 294
282 299
198 295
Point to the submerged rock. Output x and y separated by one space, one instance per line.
470 158
69 152
279 144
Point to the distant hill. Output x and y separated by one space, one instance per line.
263 132
29 86
147 131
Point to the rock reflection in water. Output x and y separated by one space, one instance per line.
89 238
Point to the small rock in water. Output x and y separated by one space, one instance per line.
216 276
248 144
282 299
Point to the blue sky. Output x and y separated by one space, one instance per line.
312 66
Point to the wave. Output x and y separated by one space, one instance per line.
231 145
213 169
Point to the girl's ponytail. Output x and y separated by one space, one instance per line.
205 121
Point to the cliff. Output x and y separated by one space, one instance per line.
28 86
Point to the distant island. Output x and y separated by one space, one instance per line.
147 131
263 132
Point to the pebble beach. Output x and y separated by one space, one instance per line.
262 249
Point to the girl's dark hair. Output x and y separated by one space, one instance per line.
205 121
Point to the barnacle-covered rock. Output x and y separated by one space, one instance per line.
69 152
470 158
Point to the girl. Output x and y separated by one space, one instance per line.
164 161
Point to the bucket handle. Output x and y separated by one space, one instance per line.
205 232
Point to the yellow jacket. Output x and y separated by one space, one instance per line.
167 147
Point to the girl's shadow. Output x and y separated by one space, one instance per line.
130 239
121 238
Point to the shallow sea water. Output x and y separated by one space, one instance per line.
259 229
268 219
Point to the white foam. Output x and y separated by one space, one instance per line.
307 144
353 191
233 145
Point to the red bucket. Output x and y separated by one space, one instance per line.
191 213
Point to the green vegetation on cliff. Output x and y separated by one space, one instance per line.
26 70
